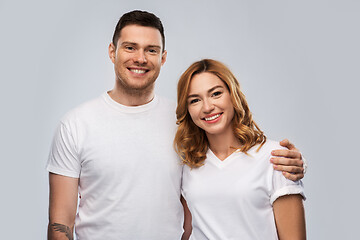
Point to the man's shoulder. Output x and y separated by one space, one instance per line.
166 102
85 109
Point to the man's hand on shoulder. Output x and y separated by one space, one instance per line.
289 161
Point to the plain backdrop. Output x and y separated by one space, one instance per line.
297 61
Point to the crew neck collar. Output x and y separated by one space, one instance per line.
130 109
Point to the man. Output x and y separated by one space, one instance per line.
116 154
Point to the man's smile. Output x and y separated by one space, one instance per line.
138 70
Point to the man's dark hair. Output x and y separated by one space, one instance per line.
141 18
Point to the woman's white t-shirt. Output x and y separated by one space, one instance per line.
232 199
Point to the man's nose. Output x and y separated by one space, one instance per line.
140 57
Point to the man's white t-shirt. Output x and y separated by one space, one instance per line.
232 199
129 174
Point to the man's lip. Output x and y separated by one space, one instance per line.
140 68
133 69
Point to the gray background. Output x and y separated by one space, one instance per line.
297 62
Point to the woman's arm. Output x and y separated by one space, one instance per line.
290 217
187 220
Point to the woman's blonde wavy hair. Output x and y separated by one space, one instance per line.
190 141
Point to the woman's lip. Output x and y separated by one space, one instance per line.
212 117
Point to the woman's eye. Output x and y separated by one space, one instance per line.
194 101
215 94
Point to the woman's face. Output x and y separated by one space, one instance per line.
210 105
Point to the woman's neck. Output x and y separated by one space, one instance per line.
223 145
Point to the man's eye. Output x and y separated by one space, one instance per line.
154 51
194 101
215 94
130 48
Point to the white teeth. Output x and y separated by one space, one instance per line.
213 117
139 71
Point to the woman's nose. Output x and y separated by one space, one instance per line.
208 106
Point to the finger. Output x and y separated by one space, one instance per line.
289 169
287 161
293 177
286 143
286 153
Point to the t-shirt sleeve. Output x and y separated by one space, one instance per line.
63 157
283 186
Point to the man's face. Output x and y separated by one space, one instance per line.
137 58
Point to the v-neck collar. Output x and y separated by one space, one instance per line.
212 158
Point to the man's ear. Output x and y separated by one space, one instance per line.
163 57
112 52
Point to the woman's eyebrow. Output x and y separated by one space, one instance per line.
209 91
213 88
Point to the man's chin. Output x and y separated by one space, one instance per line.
139 89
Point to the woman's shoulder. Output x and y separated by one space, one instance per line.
271 145
265 150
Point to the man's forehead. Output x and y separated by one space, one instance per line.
140 36
137 31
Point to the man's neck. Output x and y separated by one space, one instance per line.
132 99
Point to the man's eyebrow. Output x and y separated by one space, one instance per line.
154 46
131 43
135 44
209 91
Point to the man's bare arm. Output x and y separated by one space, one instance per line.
62 206
289 161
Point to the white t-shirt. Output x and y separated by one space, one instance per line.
232 199
129 174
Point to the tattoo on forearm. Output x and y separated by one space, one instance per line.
62 228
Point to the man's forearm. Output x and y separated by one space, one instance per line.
58 231
62 206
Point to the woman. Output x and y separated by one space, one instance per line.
230 187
